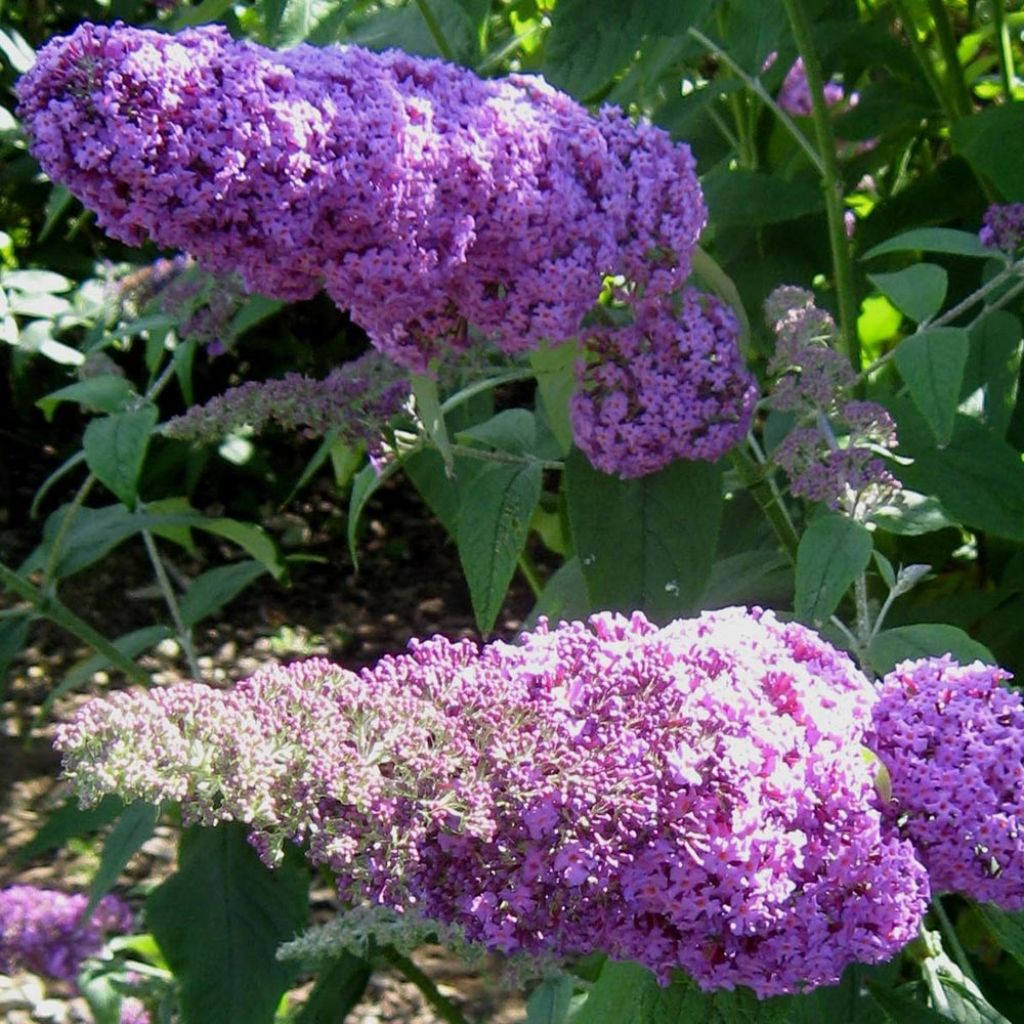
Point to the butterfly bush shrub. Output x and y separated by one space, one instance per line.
721 795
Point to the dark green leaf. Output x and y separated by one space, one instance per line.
107 393
115 448
902 1008
947 240
564 596
511 430
213 589
219 921
93 533
983 138
932 363
1007 928
549 1001
554 369
754 30
750 198
441 492
991 376
251 538
494 520
925 640
364 484
916 291
70 821
13 637
977 477
337 991
134 828
645 544
833 552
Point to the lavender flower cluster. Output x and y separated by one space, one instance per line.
671 385
811 378
1003 227
688 796
417 194
795 94
353 401
45 931
952 738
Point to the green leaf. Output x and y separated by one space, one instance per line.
13 637
511 430
555 370
591 40
932 364
337 991
107 393
70 821
213 589
428 408
947 240
564 596
925 640
989 392
738 198
646 544
93 533
902 1008
914 515
251 538
364 484
833 552
494 520
1007 928
918 291
985 138
35 282
134 828
549 1001
978 477
218 922
115 449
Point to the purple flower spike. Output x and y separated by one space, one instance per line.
417 194
952 738
1003 227
42 930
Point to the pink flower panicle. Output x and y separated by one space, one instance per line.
417 194
670 385
952 739
43 930
1003 228
689 796
356 401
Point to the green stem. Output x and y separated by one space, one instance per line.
832 184
924 61
1007 72
950 936
443 1006
434 27
167 590
753 477
860 596
50 607
486 384
947 44
755 86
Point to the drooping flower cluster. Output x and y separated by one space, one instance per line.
835 452
690 796
952 739
1003 227
44 931
670 385
355 401
417 194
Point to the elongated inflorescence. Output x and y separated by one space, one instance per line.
417 194
952 738
689 796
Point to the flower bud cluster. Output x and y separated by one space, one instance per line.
45 931
690 796
952 739
795 94
671 385
835 452
417 194
355 401
1003 228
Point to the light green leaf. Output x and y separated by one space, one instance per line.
947 240
918 291
107 393
925 640
549 1001
115 449
428 408
833 552
494 521
213 589
218 922
251 538
932 364
646 544
35 282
